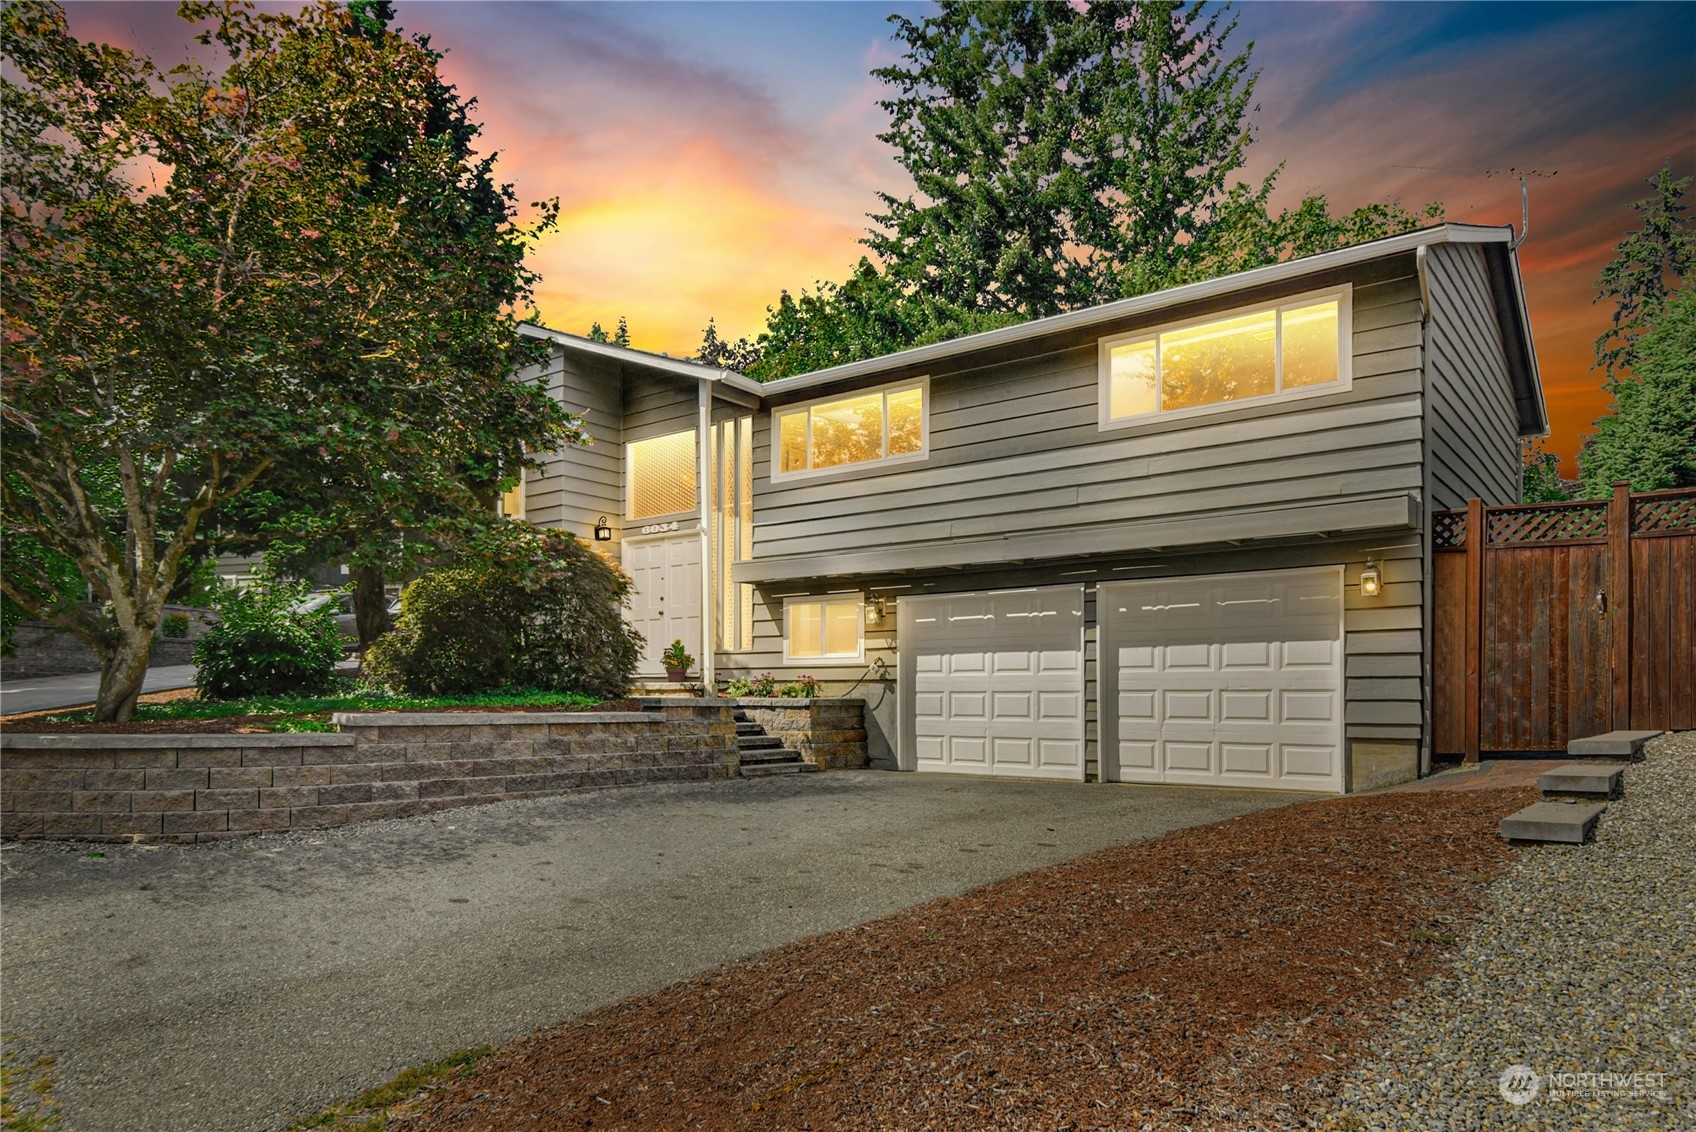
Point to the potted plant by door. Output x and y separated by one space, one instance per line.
676 661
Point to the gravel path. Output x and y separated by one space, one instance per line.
1584 962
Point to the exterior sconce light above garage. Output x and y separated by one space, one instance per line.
874 610
603 533
1371 581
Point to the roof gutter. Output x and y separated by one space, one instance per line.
1141 304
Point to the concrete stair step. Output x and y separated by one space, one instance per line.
758 742
1591 781
1611 744
1568 823
770 755
762 770
746 727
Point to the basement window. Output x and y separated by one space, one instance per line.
825 629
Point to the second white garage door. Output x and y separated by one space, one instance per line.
1232 680
993 683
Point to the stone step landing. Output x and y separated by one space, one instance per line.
1611 744
1567 823
1591 782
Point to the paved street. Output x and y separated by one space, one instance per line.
239 984
70 691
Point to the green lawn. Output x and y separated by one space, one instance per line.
312 713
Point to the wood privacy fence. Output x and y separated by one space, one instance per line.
1554 621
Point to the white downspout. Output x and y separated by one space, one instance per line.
703 478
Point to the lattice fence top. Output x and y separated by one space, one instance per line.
1448 529
1663 513
1546 524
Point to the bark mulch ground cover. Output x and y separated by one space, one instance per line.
1218 977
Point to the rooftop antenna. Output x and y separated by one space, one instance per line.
1522 175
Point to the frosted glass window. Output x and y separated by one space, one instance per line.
1241 357
881 424
662 475
824 628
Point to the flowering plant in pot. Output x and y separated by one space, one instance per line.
676 660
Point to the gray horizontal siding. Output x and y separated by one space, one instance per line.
1473 426
1382 640
1016 448
579 484
654 406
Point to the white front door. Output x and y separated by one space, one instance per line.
667 603
994 683
1229 680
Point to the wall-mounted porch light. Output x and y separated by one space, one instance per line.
1371 581
603 533
874 610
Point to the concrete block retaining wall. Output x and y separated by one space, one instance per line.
183 788
829 732
47 650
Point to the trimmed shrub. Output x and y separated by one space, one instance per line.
536 609
174 626
262 645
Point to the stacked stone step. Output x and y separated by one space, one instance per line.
763 754
1574 795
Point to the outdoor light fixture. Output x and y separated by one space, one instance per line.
1371 582
603 533
874 611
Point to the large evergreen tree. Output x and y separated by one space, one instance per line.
1648 436
1649 264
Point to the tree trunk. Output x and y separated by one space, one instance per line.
122 670
370 604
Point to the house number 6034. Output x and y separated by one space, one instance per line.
659 528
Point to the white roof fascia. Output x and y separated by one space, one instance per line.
630 355
1140 304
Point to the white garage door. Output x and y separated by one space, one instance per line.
994 683
1233 680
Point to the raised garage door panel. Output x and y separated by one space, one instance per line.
995 683
1233 679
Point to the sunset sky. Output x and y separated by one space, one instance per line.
709 155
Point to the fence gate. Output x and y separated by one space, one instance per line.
1558 620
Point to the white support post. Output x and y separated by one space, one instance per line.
704 482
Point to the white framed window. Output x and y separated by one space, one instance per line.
1296 347
660 475
824 630
883 425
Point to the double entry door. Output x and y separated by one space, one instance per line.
667 603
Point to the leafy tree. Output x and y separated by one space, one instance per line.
619 337
1540 475
201 285
1648 266
740 355
385 512
532 607
1648 436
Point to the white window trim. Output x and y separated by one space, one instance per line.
920 383
1345 360
834 659
630 480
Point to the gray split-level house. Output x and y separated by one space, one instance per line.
1124 543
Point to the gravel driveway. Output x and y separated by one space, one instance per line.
1583 965
240 984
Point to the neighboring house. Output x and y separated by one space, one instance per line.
1124 543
